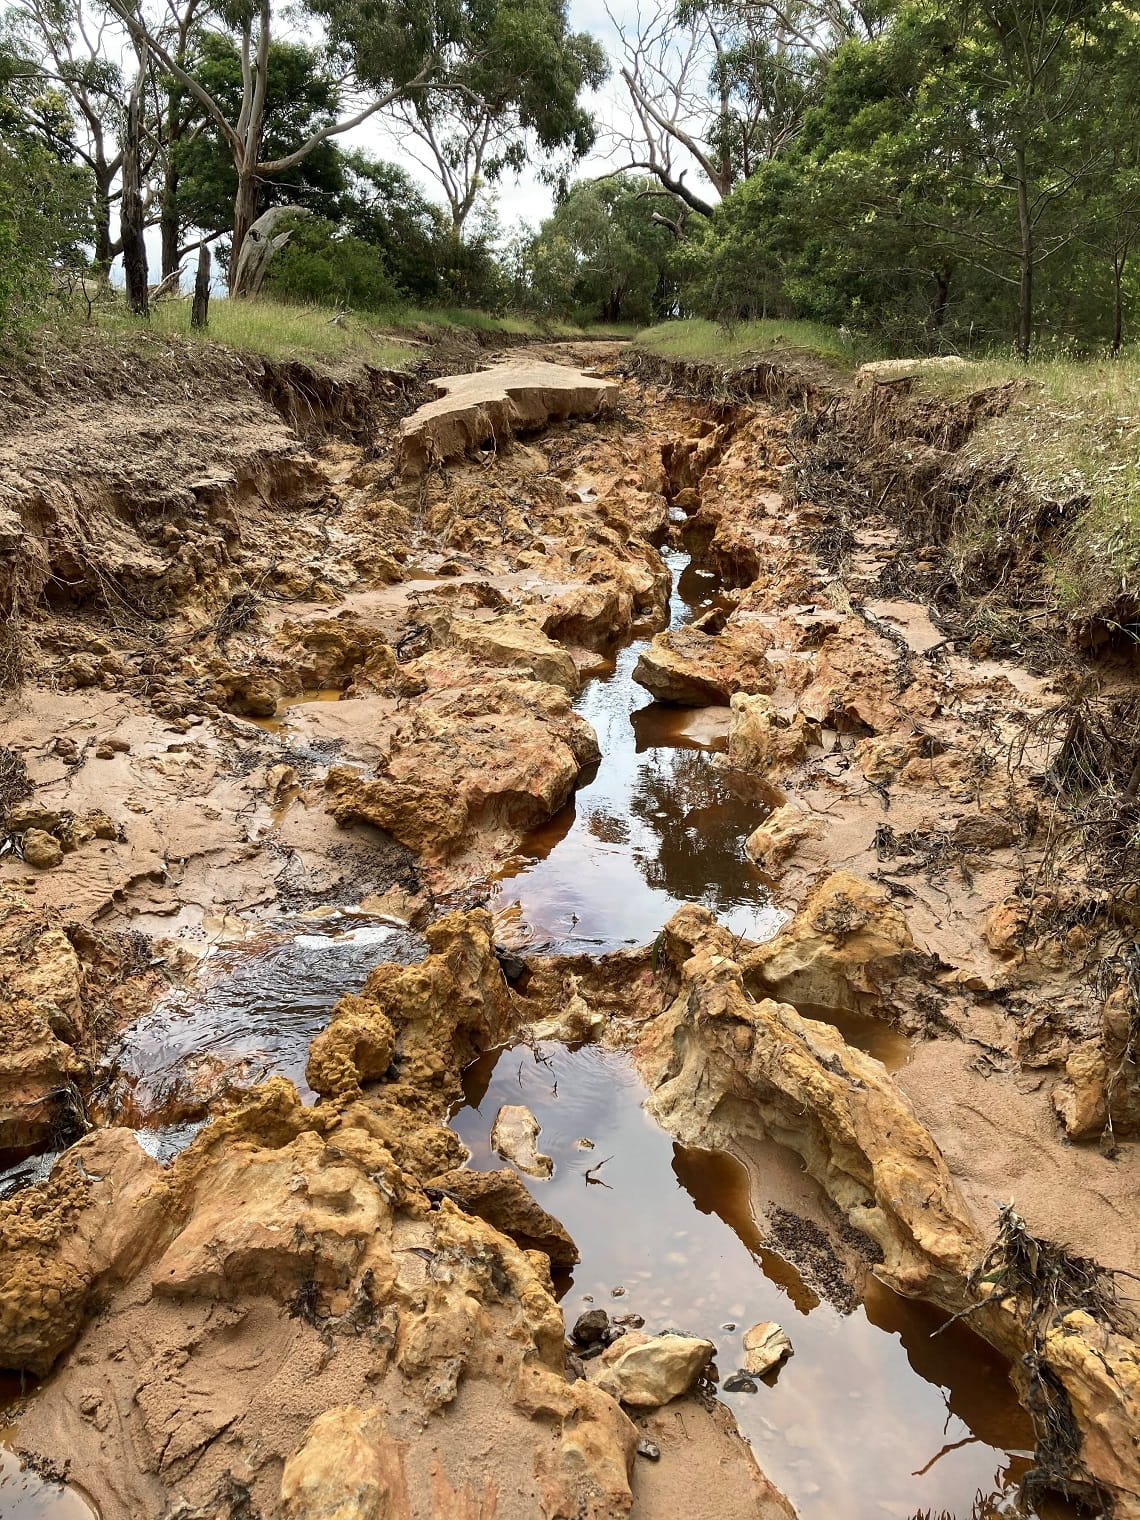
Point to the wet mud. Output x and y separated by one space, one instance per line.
602 780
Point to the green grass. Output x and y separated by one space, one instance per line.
1073 430
276 330
389 339
694 338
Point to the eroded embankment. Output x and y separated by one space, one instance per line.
314 1289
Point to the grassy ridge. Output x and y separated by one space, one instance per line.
390 339
695 339
1074 432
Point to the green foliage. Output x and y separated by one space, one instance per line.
383 208
45 201
970 175
601 255
326 268
301 97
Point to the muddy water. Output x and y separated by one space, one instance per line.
250 1015
658 824
24 1495
871 1417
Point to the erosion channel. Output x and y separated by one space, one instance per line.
502 923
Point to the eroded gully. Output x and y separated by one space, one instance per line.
875 1414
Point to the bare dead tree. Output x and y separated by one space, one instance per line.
714 88
665 66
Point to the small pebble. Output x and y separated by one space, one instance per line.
618 1292
740 1382
729 1325
590 1327
631 1321
649 1449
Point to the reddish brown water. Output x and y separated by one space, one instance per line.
659 824
873 1417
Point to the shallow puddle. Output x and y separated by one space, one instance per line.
279 722
872 1417
250 1015
24 1495
658 825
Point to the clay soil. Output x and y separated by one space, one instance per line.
256 671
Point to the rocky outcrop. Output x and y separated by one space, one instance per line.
844 948
766 740
55 978
70 1241
689 668
493 759
489 407
502 1200
721 1063
781 836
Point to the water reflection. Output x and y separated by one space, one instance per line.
871 1417
24 1495
656 826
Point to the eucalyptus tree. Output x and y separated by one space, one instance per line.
512 96
241 123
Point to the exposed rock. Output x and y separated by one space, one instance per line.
49 994
590 1327
763 739
1102 1075
847 943
646 1371
502 1200
692 669
347 1468
491 405
766 1345
355 1047
716 1052
66 1243
513 1136
781 835
498 756
511 643
42 850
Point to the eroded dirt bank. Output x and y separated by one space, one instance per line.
268 677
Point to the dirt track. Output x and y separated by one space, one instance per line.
190 584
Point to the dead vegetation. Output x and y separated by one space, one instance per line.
1043 1282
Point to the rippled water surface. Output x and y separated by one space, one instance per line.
250 1015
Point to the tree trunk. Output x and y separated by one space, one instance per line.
1117 302
104 252
248 270
245 214
131 206
941 298
168 220
1025 292
199 311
